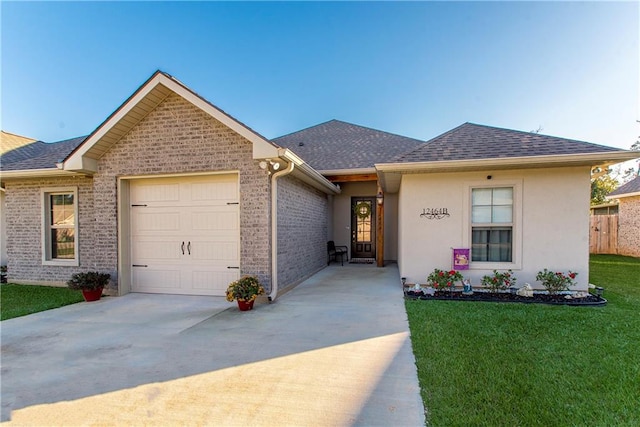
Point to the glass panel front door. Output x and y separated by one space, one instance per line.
363 227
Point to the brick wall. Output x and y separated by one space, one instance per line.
24 204
302 231
177 138
629 226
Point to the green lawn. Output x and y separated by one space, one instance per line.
20 300
533 365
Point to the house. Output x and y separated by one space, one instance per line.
8 143
628 196
172 195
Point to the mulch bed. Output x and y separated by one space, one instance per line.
537 298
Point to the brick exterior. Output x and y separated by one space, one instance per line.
174 138
24 229
302 231
629 226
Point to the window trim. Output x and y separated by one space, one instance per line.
45 197
516 232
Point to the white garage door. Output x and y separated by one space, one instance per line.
185 234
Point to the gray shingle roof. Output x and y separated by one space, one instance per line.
340 145
471 141
632 186
38 155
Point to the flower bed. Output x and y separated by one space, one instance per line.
538 297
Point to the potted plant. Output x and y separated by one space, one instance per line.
245 290
556 282
446 280
499 281
90 283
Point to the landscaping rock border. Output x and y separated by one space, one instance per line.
537 298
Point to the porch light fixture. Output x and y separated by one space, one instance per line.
380 198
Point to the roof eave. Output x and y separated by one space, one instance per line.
623 195
35 173
359 171
389 174
307 173
562 160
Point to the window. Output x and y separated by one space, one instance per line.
492 224
60 243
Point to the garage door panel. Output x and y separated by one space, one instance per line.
226 220
226 252
158 279
220 191
156 221
166 250
156 192
213 281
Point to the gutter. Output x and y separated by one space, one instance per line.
274 229
35 173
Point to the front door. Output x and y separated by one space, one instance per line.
363 227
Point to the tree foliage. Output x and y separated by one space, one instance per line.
600 187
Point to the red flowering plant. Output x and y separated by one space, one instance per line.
440 279
556 282
499 281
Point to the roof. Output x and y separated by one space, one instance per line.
11 141
38 155
472 141
631 188
337 145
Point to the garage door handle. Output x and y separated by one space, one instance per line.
189 248
182 248
139 265
237 268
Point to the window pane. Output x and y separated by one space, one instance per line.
502 196
502 214
62 209
62 243
491 244
481 196
481 214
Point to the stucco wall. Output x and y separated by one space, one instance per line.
552 220
629 226
178 138
302 231
24 230
342 216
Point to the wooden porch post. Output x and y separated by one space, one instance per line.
379 229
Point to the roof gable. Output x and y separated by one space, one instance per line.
338 145
471 141
155 90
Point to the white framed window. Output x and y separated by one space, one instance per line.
60 226
493 230
492 224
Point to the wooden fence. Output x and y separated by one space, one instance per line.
603 234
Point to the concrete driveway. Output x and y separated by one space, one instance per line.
335 351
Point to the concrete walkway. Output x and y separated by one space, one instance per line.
335 351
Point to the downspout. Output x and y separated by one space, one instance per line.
274 229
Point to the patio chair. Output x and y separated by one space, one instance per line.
333 252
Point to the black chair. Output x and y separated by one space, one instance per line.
333 252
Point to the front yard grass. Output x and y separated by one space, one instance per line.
20 300
533 365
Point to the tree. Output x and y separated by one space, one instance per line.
600 187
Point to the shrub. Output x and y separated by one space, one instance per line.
556 282
89 281
440 279
499 281
247 288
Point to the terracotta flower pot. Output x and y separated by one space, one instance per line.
92 294
245 305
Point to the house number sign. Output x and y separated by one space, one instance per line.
435 213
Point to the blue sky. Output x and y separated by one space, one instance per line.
417 68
